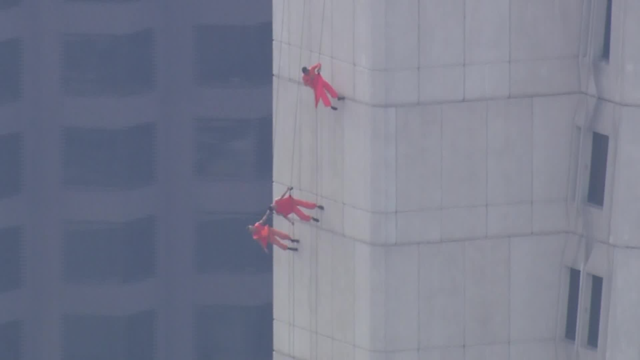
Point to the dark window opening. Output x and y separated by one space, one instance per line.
10 68
598 171
11 340
110 253
10 259
234 332
213 255
233 55
606 45
8 4
594 311
121 159
10 165
97 65
572 305
233 149
102 337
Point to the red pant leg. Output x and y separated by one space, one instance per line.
304 204
329 89
321 95
280 234
274 240
300 214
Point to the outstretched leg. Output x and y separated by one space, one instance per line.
300 214
323 96
329 89
304 204
274 240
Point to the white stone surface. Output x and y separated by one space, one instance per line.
449 176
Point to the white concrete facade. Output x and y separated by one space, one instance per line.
455 179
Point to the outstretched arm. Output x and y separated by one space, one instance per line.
264 218
315 68
285 192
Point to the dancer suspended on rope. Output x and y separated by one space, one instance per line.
264 234
320 86
287 205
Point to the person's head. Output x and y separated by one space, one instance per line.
250 228
305 70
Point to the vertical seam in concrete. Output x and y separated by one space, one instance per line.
441 167
420 54
510 49
464 298
486 149
533 138
509 239
464 49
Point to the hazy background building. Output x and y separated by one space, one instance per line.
480 182
135 146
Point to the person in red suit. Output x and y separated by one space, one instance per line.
264 234
312 78
287 205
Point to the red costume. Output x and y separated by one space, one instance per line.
265 234
320 86
288 205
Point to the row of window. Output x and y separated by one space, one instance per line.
220 332
124 159
95 65
122 253
573 304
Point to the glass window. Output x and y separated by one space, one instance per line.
101 337
234 332
8 4
10 259
10 65
98 253
10 340
224 245
121 159
606 45
594 311
233 55
572 305
233 149
10 165
598 172
108 65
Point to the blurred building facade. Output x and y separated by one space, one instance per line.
135 146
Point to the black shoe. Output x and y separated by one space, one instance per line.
334 108
295 241
340 98
315 219
292 249
320 207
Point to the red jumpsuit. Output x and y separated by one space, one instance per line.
319 85
265 234
288 205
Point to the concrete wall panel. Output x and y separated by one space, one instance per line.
442 278
402 19
441 32
419 226
487 81
402 300
370 326
552 126
534 351
486 31
330 152
544 77
625 226
343 286
505 220
369 28
464 223
464 154
545 29
510 136
486 294
419 157
536 268
442 83
324 273
487 352
342 34
456 353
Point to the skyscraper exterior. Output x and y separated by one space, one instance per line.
135 146
480 182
